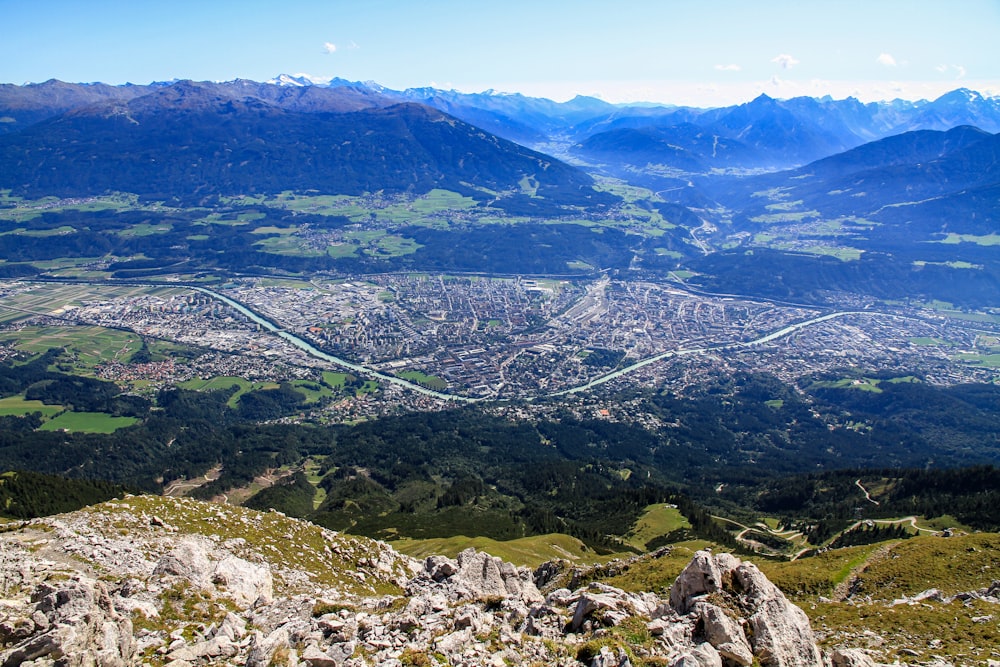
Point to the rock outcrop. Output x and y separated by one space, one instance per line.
75 592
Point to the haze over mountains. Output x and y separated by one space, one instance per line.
747 304
884 182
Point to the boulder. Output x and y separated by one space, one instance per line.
703 575
702 655
487 576
474 575
779 632
76 625
314 657
851 657
188 560
263 650
588 603
608 658
243 581
724 633
196 560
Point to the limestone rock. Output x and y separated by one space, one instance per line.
487 576
780 635
724 633
702 655
263 649
77 625
851 657
474 610
244 582
314 657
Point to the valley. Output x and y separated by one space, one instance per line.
575 335
459 338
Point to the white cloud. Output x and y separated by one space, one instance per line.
886 59
329 47
728 68
959 70
785 61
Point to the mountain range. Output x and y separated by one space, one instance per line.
776 133
195 139
188 583
886 182
783 132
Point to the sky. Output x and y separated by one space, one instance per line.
686 52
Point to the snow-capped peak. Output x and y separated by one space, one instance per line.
299 80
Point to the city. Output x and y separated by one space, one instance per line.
476 338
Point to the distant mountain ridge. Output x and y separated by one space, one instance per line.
783 133
189 138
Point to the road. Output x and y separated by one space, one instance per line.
593 307
722 346
868 496
320 354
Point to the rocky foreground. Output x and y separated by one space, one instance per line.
158 581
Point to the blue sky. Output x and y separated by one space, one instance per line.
707 52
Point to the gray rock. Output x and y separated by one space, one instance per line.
188 560
263 649
724 633
608 658
13 631
440 568
701 656
314 657
587 604
782 636
77 624
233 627
486 576
243 581
851 657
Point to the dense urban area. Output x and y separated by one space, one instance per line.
460 338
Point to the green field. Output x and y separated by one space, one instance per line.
40 233
425 209
225 382
17 406
953 265
30 209
861 384
785 216
429 381
342 250
987 360
87 422
335 379
988 239
309 388
927 341
656 520
530 551
844 254
87 347
146 229
287 244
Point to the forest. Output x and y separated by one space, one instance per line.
731 449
